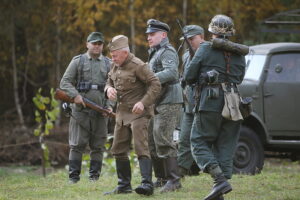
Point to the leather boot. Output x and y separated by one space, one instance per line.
95 170
159 172
221 185
124 178
146 187
74 171
173 176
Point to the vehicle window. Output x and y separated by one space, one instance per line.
255 64
284 67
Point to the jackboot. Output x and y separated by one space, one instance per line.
74 171
173 175
146 187
221 185
95 170
124 178
159 172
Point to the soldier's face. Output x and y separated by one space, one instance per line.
155 38
118 56
195 41
94 48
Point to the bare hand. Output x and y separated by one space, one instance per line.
106 114
138 108
79 100
112 93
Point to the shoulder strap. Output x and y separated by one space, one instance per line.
227 60
80 68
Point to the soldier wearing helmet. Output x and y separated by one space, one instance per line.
214 138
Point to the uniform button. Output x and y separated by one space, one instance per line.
119 72
120 102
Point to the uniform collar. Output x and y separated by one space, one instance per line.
90 58
128 59
163 43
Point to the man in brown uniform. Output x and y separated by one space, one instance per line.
134 87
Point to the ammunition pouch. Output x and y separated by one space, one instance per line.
85 86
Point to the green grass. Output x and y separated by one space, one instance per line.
280 180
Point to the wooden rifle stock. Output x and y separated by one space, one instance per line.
61 95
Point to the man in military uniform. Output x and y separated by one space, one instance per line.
135 88
214 138
85 77
163 61
195 36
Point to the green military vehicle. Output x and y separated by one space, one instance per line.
273 81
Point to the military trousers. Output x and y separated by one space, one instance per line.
87 128
162 126
185 158
214 140
123 134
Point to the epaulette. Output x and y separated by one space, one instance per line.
137 61
76 57
107 58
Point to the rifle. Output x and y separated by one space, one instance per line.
61 95
192 52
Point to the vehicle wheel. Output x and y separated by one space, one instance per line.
249 154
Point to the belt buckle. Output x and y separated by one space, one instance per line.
94 87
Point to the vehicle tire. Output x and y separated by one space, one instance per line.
249 154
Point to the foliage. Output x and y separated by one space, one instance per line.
47 111
279 180
49 33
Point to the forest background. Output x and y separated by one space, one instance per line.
39 38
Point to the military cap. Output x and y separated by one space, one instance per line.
118 42
192 30
95 37
154 25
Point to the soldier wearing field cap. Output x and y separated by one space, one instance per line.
135 87
195 36
163 61
85 77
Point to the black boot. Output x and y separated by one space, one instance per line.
173 176
74 171
124 178
221 185
146 187
95 170
159 172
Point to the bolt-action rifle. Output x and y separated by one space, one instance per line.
61 95
191 50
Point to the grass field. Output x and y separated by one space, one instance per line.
280 180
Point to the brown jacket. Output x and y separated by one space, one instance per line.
134 82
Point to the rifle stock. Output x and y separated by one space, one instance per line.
61 95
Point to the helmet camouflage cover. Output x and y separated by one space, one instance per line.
221 25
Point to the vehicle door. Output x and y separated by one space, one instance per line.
282 95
